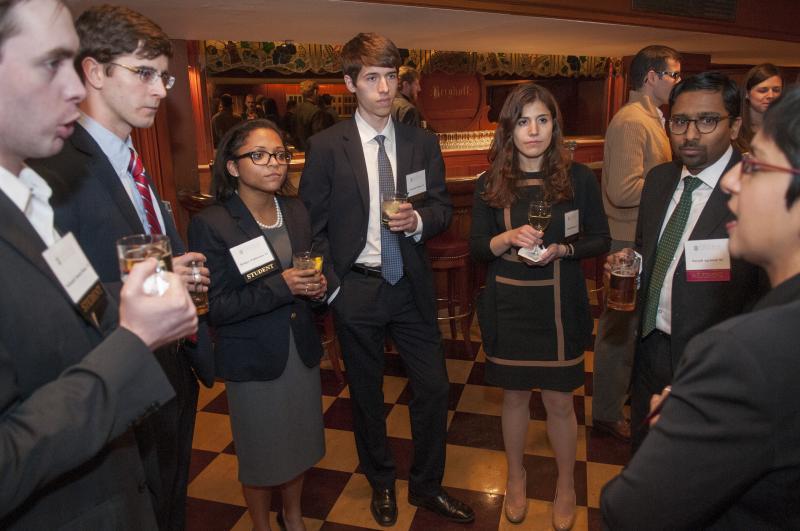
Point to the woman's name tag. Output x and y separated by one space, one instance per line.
254 258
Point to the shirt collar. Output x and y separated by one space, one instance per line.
711 175
21 189
113 147
368 134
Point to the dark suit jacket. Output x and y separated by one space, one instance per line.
335 189
725 453
696 306
68 396
90 201
252 320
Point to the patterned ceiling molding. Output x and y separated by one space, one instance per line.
301 58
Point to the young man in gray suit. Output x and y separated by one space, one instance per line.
71 385
102 192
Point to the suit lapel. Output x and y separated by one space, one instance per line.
716 211
668 185
405 153
101 169
355 154
20 234
244 219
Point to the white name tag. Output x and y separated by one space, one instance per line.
79 279
707 260
254 258
415 184
71 267
571 223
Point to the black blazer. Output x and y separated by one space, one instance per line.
68 396
725 454
335 189
90 201
696 306
252 320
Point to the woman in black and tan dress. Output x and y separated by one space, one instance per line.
534 316
266 346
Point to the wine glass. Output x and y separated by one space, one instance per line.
539 218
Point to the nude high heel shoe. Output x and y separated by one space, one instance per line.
564 522
516 515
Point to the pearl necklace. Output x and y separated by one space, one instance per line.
278 222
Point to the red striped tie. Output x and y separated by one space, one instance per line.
136 169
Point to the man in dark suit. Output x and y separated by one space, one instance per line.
71 386
102 193
681 229
724 453
379 278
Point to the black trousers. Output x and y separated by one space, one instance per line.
652 371
365 310
165 441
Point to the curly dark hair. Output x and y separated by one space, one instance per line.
107 31
501 191
782 126
225 184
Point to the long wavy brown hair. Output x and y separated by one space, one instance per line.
501 190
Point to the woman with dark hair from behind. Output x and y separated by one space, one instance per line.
724 451
762 86
534 317
267 349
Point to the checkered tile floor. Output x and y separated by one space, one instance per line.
336 494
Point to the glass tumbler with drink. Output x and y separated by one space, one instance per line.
390 204
199 298
624 281
308 260
138 248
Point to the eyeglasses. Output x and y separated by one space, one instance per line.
149 75
674 75
705 124
750 166
262 158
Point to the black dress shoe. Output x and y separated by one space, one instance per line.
384 506
445 506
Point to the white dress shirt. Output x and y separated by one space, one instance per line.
371 254
709 177
119 155
31 194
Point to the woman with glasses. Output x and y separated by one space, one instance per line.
534 313
723 450
762 86
267 348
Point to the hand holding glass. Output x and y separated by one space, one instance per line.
199 298
308 260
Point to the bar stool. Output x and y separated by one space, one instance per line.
329 341
450 254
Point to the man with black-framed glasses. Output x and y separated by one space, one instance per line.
689 280
103 192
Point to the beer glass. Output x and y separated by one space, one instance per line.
624 280
390 204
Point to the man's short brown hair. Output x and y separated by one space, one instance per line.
407 74
368 49
107 31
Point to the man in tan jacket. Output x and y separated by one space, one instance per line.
636 141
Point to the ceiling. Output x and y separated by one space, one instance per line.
336 21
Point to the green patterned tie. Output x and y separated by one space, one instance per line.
665 252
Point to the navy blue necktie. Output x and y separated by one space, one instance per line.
391 259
